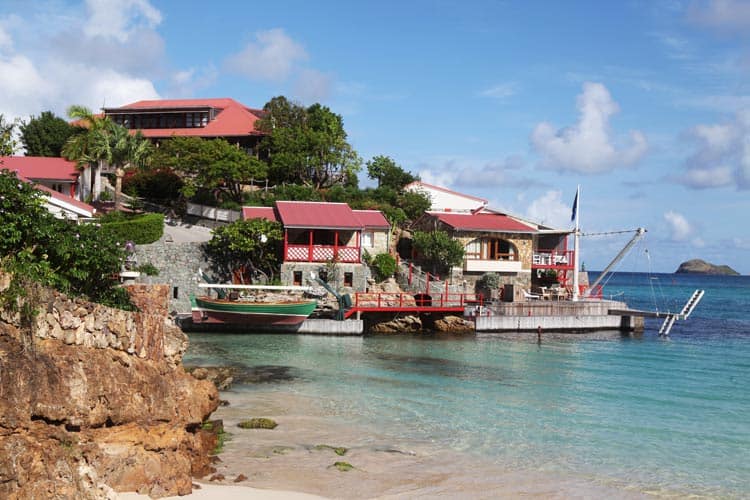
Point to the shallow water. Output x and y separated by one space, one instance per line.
576 413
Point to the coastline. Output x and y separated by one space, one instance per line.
295 461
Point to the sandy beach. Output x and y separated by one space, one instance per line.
296 461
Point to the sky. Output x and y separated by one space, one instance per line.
643 103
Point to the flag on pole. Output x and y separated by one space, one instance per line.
575 206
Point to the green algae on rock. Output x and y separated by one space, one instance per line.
258 423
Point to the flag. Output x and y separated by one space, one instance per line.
575 207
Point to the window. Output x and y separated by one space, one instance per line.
368 239
348 279
297 278
473 251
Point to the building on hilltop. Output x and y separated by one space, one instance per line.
325 238
445 200
219 118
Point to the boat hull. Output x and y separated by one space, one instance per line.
232 312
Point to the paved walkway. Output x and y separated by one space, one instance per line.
187 233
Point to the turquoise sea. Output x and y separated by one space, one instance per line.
649 414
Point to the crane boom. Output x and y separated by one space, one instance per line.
638 235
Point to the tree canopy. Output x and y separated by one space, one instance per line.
388 174
8 142
75 259
45 135
210 164
307 145
248 246
438 250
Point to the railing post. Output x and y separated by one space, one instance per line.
411 272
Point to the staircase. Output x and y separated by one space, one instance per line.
669 320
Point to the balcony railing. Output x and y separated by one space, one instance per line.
321 253
552 259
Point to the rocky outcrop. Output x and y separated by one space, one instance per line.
453 324
698 266
404 324
95 400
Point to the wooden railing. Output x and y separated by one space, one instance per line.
321 253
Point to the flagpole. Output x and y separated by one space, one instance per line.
576 235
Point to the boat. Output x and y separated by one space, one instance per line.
231 308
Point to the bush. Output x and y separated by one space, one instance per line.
141 230
384 266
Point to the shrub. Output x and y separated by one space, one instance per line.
141 230
384 266
148 269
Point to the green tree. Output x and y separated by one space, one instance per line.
79 260
8 141
210 165
307 145
438 250
45 135
248 246
388 174
103 142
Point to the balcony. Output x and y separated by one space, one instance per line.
492 266
552 259
321 253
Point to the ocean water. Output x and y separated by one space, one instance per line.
666 416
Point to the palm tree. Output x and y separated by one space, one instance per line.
105 143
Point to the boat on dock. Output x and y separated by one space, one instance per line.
234 306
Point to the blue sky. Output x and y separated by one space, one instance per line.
645 104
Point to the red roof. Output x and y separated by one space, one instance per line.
315 214
259 213
41 168
372 219
486 222
61 197
233 119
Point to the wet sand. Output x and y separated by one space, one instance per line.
298 456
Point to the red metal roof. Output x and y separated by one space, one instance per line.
482 222
234 120
372 219
61 197
41 168
315 214
267 213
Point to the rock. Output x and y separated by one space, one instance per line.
92 403
698 266
405 324
258 423
453 324
240 478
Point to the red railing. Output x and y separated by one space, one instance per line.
385 301
321 253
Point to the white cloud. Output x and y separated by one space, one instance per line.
76 63
721 154
678 226
272 57
549 209
587 146
119 18
465 174
501 91
312 86
724 15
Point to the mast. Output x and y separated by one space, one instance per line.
576 236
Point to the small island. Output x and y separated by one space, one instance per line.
698 266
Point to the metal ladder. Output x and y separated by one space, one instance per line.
669 320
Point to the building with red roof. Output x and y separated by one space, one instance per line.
206 118
57 174
521 252
445 200
317 234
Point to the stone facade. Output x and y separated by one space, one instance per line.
525 250
178 265
335 276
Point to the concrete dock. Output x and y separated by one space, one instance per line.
568 316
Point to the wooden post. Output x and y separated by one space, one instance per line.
310 248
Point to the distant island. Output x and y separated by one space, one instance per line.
698 266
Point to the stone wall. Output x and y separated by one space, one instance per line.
360 274
178 265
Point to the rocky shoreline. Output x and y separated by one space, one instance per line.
95 401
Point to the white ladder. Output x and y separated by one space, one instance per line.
666 326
